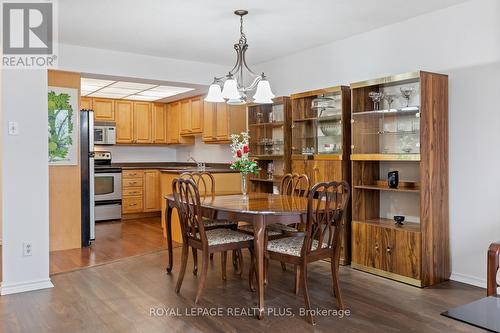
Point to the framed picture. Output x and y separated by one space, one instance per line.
63 126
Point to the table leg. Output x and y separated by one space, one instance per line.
169 238
259 235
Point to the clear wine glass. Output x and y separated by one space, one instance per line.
406 92
376 98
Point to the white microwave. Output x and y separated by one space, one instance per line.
104 134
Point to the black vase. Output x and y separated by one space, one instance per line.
393 179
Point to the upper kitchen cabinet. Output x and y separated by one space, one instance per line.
104 109
174 124
143 122
85 103
124 114
221 120
209 111
185 117
191 116
159 123
197 115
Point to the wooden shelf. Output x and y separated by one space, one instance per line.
386 188
388 223
385 157
318 157
267 157
273 124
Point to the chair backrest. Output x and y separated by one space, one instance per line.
204 181
295 185
187 202
326 205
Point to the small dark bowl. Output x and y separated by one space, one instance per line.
399 219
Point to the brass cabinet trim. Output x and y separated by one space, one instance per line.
389 275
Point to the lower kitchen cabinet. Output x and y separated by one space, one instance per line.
152 199
140 191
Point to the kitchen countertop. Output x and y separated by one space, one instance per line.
169 167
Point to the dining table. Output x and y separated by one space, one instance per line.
258 209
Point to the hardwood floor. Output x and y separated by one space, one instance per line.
114 240
118 297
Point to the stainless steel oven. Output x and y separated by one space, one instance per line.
108 193
108 184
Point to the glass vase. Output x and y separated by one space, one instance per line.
244 184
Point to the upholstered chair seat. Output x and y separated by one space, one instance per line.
290 245
225 236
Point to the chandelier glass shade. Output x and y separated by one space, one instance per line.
231 87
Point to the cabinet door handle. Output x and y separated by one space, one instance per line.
133 174
388 249
132 205
376 247
132 182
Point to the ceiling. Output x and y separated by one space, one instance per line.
205 30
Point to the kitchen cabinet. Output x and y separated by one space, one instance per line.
141 191
152 199
208 134
197 115
173 125
124 114
143 122
104 109
222 120
132 191
159 123
185 117
85 103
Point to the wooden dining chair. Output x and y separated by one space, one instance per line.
205 182
194 234
295 185
326 205
493 280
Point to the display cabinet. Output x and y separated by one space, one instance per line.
269 128
399 159
321 139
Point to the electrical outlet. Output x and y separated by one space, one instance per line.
13 128
27 249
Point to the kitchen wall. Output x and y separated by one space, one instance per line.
215 153
25 181
122 154
463 42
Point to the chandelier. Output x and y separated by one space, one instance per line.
231 88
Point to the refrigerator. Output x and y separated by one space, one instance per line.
87 175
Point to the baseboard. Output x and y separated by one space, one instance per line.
21 287
472 280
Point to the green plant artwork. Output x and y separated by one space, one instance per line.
61 128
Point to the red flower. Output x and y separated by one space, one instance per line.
238 153
245 149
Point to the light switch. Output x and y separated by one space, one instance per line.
13 128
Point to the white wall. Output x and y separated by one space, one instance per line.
464 42
214 153
121 154
25 196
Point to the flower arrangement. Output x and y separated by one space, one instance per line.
240 151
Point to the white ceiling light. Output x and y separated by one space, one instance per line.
128 90
143 98
233 84
133 85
